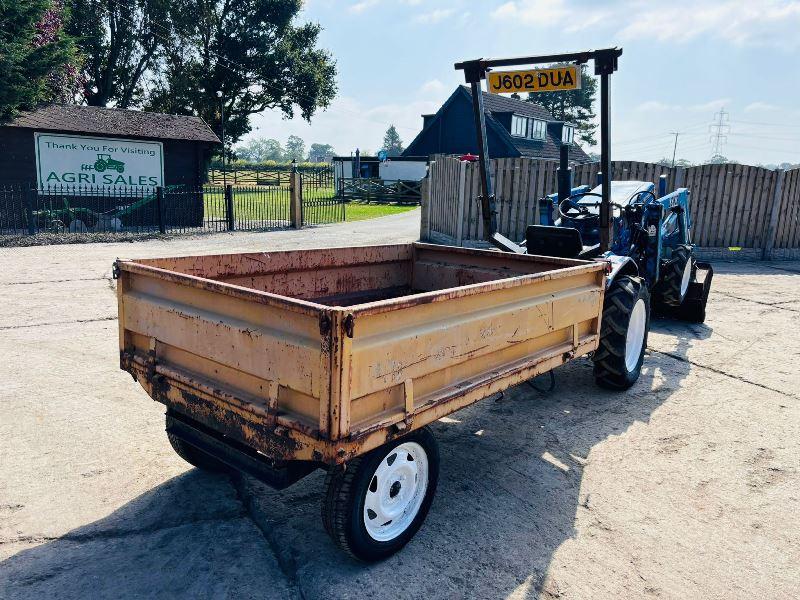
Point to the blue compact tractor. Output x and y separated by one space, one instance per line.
651 257
643 234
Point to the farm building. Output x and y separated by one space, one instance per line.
514 128
105 147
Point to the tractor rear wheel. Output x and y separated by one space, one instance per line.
677 274
623 333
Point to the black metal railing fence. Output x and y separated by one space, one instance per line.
64 209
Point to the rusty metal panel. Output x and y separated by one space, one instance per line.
438 345
291 353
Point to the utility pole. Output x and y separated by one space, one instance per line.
718 131
675 147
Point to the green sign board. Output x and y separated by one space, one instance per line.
98 162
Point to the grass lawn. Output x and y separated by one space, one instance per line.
359 212
272 204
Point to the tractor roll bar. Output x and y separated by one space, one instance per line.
605 63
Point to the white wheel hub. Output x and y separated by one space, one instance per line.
396 491
686 279
634 339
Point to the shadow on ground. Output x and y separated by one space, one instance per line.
508 497
189 537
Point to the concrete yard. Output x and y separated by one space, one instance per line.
686 486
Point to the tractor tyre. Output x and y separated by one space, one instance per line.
194 456
677 274
99 166
623 333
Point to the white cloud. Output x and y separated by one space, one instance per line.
741 22
362 6
658 106
760 107
532 12
434 87
655 105
435 16
710 105
550 13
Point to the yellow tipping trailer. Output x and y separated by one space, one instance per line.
278 363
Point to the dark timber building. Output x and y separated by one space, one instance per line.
183 145
513 128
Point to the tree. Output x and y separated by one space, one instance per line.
681 162
575 106
718 159
33 50
295 148
120 42
392 142
320 152
250 50
260 150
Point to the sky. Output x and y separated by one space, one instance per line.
683 61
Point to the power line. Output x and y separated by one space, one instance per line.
767 137
765 124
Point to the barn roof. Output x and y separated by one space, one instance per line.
116 122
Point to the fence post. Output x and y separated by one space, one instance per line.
680 178
296 199
160 208
769 241
229 207
29 210
425 208
462 184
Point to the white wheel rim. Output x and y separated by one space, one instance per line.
634 340
396 491
686 279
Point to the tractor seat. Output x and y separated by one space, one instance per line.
563 242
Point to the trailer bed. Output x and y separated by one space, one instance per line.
321 355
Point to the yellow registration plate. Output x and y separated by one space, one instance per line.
557 79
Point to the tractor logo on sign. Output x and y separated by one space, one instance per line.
104 162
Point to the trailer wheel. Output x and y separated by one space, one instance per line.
195 457
377 502
623 333
678 273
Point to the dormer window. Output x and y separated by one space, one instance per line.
533 129
567 134
519 125
537 129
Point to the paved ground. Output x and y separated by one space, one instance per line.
685 486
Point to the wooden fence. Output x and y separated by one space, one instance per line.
732 206
380 191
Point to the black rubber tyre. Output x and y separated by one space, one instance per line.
343 506
612 370
672 272
196 458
